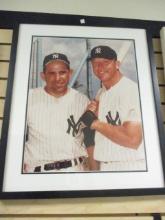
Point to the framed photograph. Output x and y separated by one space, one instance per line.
82 114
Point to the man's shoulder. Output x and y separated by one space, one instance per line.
129 90
78 94
36 92
129 81
128 84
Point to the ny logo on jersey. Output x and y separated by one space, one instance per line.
73 126
115 121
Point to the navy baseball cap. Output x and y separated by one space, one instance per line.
56 56
103 52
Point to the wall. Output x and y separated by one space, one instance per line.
140 9
88 208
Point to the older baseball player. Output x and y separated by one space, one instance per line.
55 141
115 116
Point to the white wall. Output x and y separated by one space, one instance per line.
138 9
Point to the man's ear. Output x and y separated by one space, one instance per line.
71 72
42 74
118 64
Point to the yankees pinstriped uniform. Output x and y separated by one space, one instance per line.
53 135
119 104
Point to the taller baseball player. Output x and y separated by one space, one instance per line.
115 116
55 141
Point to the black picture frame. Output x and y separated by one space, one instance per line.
12 20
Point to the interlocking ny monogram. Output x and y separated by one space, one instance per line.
73 126
55 56
112 121
98 50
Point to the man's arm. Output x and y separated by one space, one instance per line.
127 135
89 142
92 163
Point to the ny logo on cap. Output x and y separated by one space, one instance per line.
55 56
97 50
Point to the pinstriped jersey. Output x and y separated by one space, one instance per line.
117 105
52 134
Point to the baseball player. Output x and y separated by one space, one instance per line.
115 116
55 141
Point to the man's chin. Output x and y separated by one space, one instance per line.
60 90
